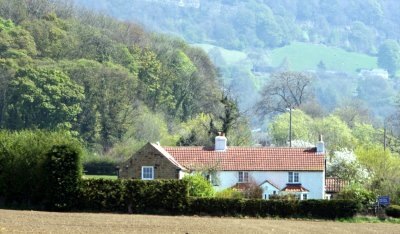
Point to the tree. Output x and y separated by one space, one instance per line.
198 185
344 165
389 56
44 99
301 128
284 90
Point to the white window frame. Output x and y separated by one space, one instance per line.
243 176
292 176
152 172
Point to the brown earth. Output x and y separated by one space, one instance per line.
51 222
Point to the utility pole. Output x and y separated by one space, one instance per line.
290 126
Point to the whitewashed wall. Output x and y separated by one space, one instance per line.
313 181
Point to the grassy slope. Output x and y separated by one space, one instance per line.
230 56
305 56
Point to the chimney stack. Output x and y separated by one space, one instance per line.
320 146
220 142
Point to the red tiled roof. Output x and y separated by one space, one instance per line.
334 185
249 159
294 188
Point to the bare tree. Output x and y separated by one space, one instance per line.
284 90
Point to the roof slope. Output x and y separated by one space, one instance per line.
249 158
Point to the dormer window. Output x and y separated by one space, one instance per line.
293 177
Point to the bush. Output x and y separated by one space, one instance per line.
156 195
393 211
229 193
358 193
102 195
62 170
198 186
22 158
327 209
134 196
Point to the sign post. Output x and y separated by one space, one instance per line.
383 200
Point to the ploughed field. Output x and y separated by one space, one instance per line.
12 221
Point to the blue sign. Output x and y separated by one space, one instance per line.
384 200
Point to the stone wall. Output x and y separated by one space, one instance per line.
148 156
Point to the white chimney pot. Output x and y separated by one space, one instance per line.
221 143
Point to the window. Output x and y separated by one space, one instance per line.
243 176
293 177
304 196
147 173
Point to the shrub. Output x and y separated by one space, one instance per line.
63 174
102 195
22 158
156 195
393 211
328 209
198 186
229 193
358 193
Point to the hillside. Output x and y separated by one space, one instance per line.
112 84
248 40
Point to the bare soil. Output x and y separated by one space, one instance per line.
12 221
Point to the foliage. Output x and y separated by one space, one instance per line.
44 99
389 56
102 195
384 168
229 193
135 196
393 211
327 209
22 161
198 186
344 165
359 194
63 174
156 195
301 124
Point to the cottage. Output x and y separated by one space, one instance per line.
277 170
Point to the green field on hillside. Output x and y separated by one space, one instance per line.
230 56
306 56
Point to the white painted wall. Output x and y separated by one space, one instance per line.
313 181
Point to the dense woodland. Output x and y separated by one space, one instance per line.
110 83
358 25
114 86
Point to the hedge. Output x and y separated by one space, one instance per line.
23 177
393 211
102 195
62 171
327 209
134 196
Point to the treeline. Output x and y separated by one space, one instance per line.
356 25
110 83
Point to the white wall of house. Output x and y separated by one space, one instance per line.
311 180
